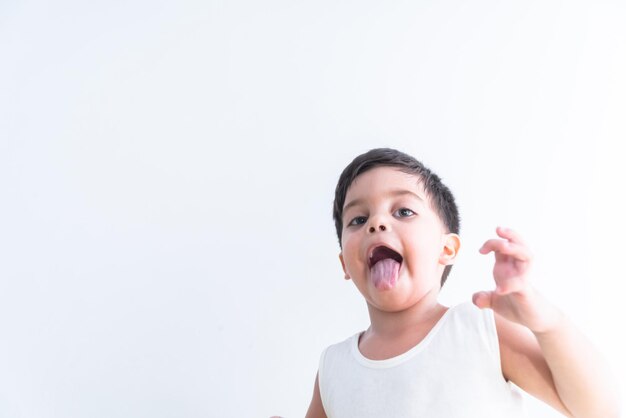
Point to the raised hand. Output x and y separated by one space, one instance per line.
514 296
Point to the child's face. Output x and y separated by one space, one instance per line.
386 207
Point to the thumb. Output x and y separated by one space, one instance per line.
482 299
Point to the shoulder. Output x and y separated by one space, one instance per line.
470 320
340 347
336 355
470 311
332 357
469 315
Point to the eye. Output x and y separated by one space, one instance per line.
404 213
359 220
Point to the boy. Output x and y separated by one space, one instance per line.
398 228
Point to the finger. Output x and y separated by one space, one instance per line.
518 251
510 234
482 299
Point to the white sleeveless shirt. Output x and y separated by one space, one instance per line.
453 372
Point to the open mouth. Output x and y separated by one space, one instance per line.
382 253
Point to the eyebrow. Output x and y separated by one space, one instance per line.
394 193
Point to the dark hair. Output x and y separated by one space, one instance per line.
440 196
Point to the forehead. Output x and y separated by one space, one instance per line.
379 180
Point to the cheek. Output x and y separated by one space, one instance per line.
350 250
347 238
422 256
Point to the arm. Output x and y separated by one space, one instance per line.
316 409
541 351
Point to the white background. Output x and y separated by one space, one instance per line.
167 171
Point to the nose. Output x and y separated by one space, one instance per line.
376 225
380 227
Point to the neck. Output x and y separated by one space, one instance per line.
394 324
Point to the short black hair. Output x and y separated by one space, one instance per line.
439 194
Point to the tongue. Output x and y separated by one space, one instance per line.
385 273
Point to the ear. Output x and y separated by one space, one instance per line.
343 266
451 246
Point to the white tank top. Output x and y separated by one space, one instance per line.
453 372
